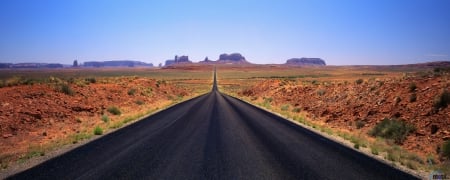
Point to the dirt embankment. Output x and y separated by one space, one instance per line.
40 114
360 105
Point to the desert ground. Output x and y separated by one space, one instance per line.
45 110
42 111
348 102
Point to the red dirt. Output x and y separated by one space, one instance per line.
344 103
38 114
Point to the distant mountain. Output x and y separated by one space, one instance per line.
234 58
116 63
31 65
306 62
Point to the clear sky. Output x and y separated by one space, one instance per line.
342 32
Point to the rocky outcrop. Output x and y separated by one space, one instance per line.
182 59
120 63
306 62
234 58
178 60
169 62
30 65
231 57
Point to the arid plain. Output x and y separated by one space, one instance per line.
396 113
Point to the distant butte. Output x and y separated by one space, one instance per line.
234 58
306 62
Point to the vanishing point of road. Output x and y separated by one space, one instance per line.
213 136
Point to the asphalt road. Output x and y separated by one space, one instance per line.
213 136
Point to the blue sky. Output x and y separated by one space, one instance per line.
342 32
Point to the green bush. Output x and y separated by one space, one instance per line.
394 129
442 100
374 151
412 87
105 118
297 109
267 102
114 110
67 90
359 81
446 149
285 107
98 130
131 92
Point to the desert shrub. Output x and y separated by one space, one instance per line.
98 130
105 118
315 82
139 102
374 150
91 80
413 97
114 110
131 91
321 92
442 100
267 102
394 129
66 89
446 149
296 109
360 124
359 81
412 87
285 107
356 146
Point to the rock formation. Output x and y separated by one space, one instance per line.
234 58
306 62
178 60
231 57
120 63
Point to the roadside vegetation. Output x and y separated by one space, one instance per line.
114 110
392 129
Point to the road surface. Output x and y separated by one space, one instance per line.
213 136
